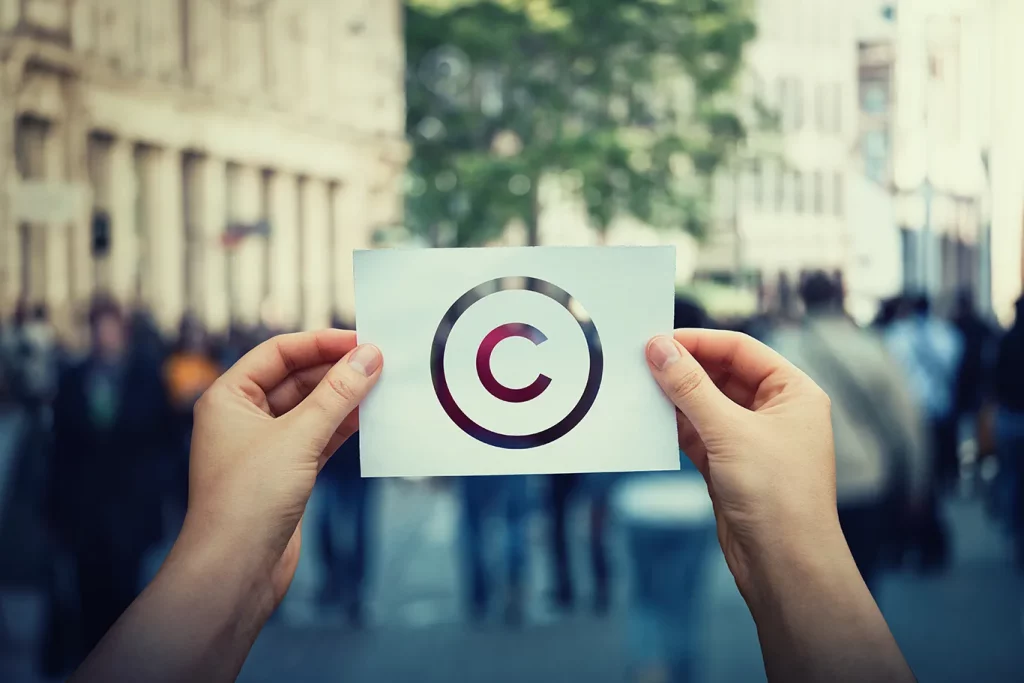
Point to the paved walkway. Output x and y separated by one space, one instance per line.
964 625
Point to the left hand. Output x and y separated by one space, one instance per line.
262 433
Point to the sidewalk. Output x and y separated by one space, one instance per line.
963 625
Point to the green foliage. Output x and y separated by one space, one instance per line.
628 103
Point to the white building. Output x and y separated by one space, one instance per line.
171 120
786 212
791 213
1006 141
941 107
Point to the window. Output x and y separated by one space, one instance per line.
837 104
757 183
798 104
874 99
798 192
875 149
758 89
839 193
780 189
876 143
820 108
783 103
819 193
875 169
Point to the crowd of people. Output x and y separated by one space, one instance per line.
95 471
94 468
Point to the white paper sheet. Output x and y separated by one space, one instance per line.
515 360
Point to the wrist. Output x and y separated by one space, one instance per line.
796 564
796 545
224 567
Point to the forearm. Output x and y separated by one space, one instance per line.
196 622
817 621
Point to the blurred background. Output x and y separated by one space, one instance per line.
180 179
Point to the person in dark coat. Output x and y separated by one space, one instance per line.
973 376
1009 395
343 525
112 424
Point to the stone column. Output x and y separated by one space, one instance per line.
284 249
246 208
123 260
31 137
211 216
352 231
10 13
165 232
76 145
10 273
56 285
316 257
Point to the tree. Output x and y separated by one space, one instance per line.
629 104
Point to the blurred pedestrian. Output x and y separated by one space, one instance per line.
343 525
882 468
342 503
929 349
11 423
973 375
509 497
189 370
888 312
144 336
111 425
563 490
768 466
237 343
1009 394
30 361
669 524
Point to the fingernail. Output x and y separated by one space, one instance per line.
365 359
662 352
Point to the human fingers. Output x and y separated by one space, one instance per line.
687 384
338 394
295 388
735 389
261 370
691 444
747 359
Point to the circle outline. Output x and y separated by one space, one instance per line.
516 441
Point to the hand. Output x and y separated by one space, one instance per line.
262 433
760 432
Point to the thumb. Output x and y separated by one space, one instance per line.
686 383
339 393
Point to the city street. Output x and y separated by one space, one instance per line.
965 624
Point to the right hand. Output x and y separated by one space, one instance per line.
760 432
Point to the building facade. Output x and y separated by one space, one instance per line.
1006 144
215 157
784 211
940 119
